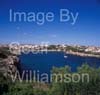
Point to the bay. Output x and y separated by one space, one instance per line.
44 62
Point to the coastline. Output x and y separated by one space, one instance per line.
82 54
76 53
69 52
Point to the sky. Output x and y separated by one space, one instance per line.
86 30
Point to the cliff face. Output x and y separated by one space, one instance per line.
9 65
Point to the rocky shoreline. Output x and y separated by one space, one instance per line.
9 66
82 54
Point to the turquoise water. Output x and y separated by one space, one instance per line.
45 62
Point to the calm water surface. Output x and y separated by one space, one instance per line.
45 62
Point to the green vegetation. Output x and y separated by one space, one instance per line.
80 88
77 88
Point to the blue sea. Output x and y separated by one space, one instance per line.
44 62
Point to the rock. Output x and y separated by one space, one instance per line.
9 66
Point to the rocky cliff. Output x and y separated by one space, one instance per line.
9 64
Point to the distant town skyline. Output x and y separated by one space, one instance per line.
85 31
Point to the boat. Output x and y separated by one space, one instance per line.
65 56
